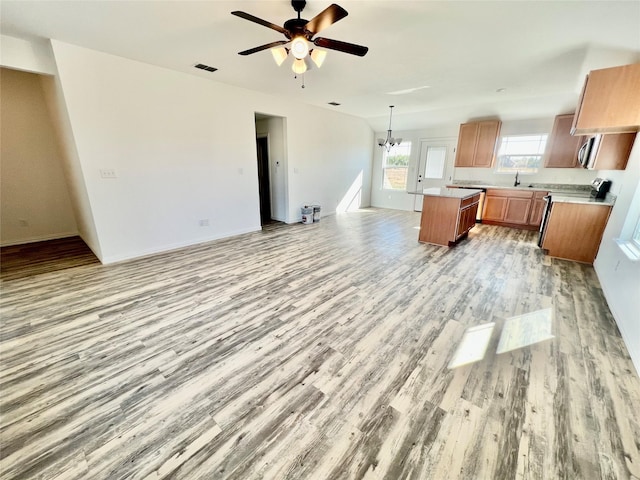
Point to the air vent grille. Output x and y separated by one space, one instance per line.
207 68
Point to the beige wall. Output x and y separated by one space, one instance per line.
34 198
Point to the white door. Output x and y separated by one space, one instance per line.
435 166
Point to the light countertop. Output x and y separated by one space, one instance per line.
460 193
609 200
540 187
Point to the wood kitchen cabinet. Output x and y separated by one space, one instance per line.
513 208
537 208
612 151
610 101
574 230
562 147
477 143
446 219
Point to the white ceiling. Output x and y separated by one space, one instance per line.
538 51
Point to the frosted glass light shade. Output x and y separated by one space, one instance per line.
299 66
318 56
279 54
299 47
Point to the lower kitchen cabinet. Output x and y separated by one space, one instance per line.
537 208
574 230
513 208
446 219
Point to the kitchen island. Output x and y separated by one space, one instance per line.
447 214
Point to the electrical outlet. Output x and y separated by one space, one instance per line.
204 222
108 173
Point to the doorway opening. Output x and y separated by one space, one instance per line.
264 183
271 159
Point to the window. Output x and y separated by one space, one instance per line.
435 162
395 165
521 153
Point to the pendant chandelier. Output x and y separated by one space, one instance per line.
390 141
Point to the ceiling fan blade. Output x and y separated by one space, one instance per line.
259 21
328 16
345 47
262 47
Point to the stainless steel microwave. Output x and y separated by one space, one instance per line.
588 151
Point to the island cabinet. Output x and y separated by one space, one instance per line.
446 218
610 101
514 208
562 147
477 143
574 230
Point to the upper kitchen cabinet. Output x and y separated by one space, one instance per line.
610 101
477 143
562 147
611 152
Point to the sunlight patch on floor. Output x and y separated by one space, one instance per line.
526 330
473 345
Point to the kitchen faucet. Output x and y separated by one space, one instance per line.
517 182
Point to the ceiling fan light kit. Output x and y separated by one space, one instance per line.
299 33
389 141
299 66
299 48
279 54
318 56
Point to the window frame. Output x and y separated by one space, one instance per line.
499 169
405 145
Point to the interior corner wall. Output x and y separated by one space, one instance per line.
329 160
618 275
71 163
181 152
34 198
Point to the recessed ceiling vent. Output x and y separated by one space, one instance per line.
207 68
335 104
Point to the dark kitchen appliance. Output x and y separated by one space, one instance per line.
545 218
600 188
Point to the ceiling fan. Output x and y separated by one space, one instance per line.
300 32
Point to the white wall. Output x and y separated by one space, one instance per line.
618 275
34 199
329 160
183 149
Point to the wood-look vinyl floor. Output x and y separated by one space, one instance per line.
19 261
319 352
